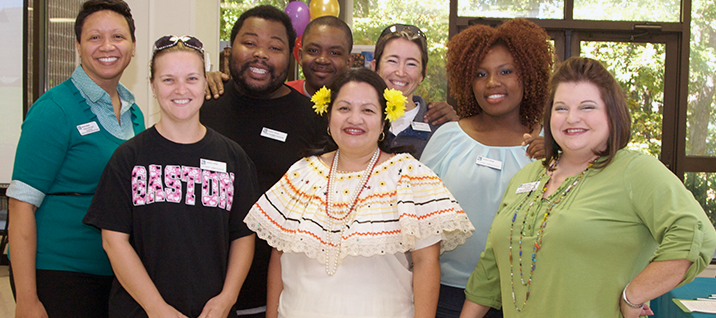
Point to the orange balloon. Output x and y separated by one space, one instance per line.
319 8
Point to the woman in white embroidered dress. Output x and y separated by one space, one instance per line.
353 225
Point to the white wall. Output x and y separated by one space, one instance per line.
155 18
10 84
710 271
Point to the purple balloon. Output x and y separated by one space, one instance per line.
298 12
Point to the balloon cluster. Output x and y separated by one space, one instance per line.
301 14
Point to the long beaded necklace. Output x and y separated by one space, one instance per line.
540 232
330 209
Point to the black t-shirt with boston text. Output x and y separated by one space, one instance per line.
182 205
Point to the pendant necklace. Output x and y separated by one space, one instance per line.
540 232
336 215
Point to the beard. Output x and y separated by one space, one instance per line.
256 91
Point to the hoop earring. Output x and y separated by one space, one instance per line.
382 136
328 130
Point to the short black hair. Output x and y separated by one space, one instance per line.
93 6
270 13
332 21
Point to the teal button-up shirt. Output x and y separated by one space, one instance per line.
101 104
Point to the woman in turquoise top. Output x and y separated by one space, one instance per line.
57 263
593 230
499 77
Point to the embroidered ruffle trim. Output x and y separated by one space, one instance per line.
453 227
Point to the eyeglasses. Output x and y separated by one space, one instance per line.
168 41
400 27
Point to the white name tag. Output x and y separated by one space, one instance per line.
88 128
527 187
212 165
274 134
487 162
418 126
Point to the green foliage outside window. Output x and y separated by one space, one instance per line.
632 10
701 126
639 69
540 9
703 186
701 114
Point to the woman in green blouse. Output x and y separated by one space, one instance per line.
594 230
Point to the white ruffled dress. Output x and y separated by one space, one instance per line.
403 207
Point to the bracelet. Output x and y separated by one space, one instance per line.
627 300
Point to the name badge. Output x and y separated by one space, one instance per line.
527 187
418 126
274 134
88 128
212 165
487 162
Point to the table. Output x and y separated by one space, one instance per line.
664 306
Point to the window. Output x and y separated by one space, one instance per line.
541 9
701 120
632 10
639 69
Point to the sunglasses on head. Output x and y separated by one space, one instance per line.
168 41
400 27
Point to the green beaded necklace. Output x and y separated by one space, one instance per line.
540 232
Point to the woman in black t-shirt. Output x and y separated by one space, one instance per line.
171 203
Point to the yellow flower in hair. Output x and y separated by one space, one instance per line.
320 100
395 104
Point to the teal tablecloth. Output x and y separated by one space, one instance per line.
664 306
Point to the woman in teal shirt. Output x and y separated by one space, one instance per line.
58 265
